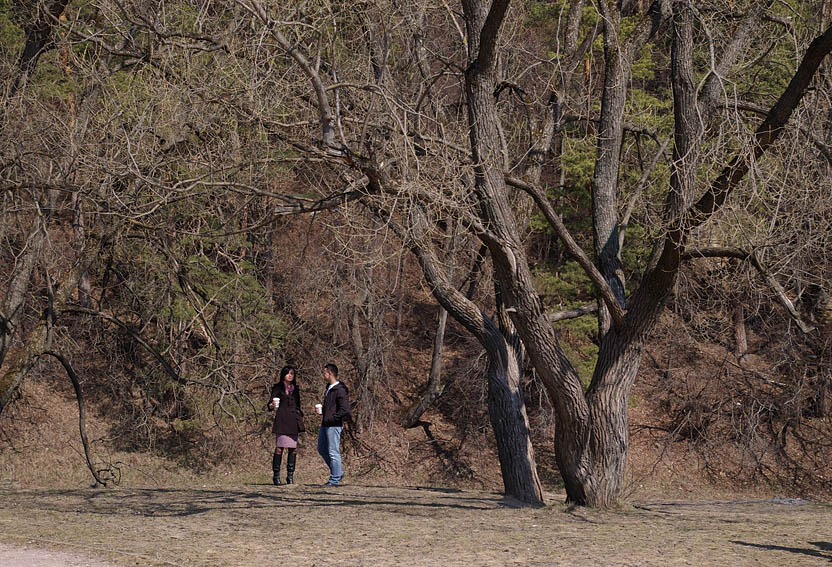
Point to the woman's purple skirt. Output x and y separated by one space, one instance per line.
286 441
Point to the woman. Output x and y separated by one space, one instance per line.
288 422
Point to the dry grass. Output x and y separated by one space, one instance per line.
356 525
165 513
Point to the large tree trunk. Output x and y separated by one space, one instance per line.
510 266
506 407
507 411
598 479
599 483
608 398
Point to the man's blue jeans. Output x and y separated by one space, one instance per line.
329 447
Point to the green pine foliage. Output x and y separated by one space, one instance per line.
11 34
567 287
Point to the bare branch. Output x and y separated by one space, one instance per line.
755 261
642 185
573 313
136 337
604 290
711 89
766 134
82 426
325 113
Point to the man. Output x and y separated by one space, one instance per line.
336 408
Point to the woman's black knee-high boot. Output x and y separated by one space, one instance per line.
290 468
276 468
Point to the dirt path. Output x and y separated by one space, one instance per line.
358 525
24 556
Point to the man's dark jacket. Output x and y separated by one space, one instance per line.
336 406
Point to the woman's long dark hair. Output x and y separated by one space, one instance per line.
284 371
281 384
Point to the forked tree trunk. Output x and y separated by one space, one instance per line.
507 410
511 272
608 442
593 464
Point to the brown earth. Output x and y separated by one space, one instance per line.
27 556
357 525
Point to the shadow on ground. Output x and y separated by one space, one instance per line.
420 526
823 547
172 503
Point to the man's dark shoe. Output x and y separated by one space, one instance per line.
327 483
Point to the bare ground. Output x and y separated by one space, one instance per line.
26 556
357 525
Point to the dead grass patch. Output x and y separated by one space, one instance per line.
358 525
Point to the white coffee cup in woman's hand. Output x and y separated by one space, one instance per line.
275 402
319 409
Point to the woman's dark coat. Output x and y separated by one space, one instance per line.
289 417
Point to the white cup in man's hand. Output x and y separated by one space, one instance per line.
276 402
319 409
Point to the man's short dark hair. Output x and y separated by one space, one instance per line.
332 368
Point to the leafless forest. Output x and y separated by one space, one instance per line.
550 243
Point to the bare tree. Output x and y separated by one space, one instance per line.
311 107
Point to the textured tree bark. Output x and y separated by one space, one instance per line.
462 309
607 440
510 422
605 176
507 410
510 266
505 399
618 61
608 399
687 123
